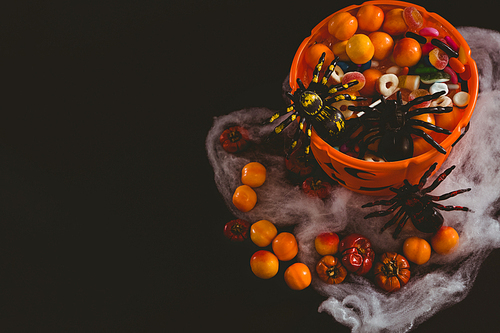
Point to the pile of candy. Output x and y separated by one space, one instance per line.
389 50
352 254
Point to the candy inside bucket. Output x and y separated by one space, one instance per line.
445 64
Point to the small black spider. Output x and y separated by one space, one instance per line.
414 203
391 122
313 106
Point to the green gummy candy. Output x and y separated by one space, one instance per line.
431 78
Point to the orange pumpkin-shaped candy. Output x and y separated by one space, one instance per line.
392 271
343 25
330 270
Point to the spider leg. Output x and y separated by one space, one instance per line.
434 109
400 226
301 86
418 122
339 87
348 97
307 142
372 139
364 133
284 124
359 108
393 220
399 97
318 67
438 180
383 212
278 114
351 126
426 175
296 137
380 202
427 138
314 85
450 208
424 98
448 195
329 71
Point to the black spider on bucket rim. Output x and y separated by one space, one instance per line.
391 122
313 106
414 202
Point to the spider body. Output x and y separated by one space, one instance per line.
391 122
313 106
413 202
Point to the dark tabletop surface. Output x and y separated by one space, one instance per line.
109 217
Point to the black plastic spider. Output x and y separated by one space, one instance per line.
313 106
414 203
393 123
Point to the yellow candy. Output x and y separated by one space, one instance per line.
462 56
360 49
339 49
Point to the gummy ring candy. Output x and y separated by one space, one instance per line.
443 101
387 84
337 75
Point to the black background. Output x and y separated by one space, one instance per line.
109 216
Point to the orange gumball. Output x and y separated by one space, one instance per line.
263 232
407 52
394 22
417 250
285 246
314 53
298 276
264 264
342 25
244 198
253 174
360 49
445 240
383 44
370 17
339 50
371 76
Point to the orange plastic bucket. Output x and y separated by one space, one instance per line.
375 178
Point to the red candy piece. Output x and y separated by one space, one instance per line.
457 65
451 43
453 75
427 47
429 31
466 74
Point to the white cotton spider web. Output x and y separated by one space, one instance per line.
441 282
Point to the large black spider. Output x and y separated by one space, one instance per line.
414 203
313 106
392 122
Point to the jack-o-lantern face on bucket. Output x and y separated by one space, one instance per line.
371 178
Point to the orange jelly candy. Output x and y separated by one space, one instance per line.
253 174
244 198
